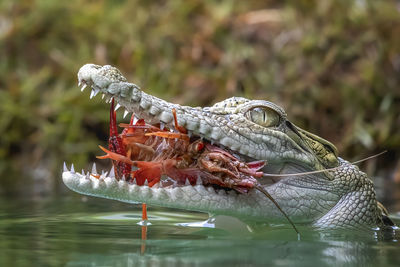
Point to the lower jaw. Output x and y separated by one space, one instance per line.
186 196
252 206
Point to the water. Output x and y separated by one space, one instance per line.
72 230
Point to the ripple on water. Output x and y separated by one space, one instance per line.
72 232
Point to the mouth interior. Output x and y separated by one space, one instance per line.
160 155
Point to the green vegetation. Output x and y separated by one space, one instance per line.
333 65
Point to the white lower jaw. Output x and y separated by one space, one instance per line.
197 198
177 197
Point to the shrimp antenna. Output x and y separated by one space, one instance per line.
262 190
319 171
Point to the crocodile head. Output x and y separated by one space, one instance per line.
254 130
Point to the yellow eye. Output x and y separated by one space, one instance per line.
263 116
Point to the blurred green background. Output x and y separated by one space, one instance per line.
333 65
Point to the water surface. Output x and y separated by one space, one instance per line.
82 231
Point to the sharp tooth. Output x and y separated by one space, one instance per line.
135 119
83 87
189 133
210 189
212 142
126 113
94 93
134 181
79 83
65 169
198 181
94 170
83 172
146 183
162 125
102 96
112 172
72 168
187 182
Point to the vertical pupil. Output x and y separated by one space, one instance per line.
264 116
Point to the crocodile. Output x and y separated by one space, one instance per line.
332 192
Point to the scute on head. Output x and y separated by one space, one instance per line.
111 73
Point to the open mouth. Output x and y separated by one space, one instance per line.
157 156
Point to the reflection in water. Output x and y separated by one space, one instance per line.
240 252
105 233
144 238
144 223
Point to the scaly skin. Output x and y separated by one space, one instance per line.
343 197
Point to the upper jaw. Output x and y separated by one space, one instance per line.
204 122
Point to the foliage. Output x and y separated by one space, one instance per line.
333 65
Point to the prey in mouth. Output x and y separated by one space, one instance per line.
143 154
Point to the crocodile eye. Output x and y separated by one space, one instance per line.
263 116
